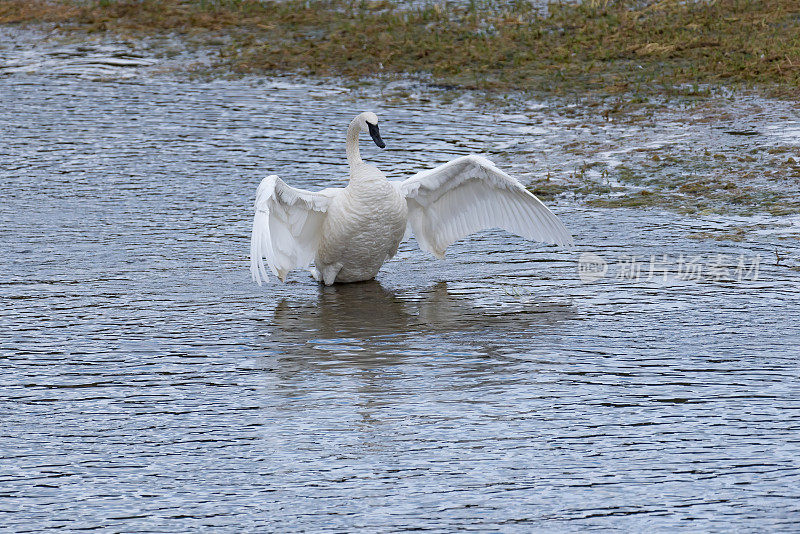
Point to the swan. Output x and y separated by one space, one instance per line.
349 232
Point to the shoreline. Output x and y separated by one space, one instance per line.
594 47
617 150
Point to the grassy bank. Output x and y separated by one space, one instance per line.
604 46
628 50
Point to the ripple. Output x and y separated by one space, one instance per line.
149 385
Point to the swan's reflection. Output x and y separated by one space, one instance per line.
365 320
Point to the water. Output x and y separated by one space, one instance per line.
147 384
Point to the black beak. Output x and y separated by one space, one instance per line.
376 134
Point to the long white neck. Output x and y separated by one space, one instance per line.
353 155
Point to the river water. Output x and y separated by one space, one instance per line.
645 380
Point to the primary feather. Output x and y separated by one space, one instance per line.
469 194
286 227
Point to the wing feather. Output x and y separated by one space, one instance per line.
286 227
469 194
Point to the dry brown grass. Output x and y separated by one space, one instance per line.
605 45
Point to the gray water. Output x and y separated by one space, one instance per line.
146 384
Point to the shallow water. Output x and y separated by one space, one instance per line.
149 385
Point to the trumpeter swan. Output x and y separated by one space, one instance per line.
350 232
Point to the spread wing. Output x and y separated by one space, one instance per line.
469 194
286 227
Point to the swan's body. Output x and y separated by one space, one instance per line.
350 232
364 226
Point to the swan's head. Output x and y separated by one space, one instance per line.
368 121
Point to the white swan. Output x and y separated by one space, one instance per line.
350 232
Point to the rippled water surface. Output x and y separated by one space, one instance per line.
148 385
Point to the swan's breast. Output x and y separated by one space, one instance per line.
363 227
